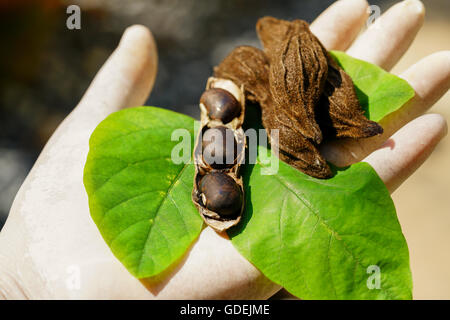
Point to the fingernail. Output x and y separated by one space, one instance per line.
414 6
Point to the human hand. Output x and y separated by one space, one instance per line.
49 237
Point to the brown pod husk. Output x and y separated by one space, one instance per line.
298 71
293 147
302 91
339 112
217 221
249 67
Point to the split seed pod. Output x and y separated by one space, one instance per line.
219 152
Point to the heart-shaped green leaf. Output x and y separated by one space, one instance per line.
379 92
323 239
138 197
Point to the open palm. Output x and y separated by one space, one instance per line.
50 247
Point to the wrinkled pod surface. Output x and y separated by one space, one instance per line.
219 152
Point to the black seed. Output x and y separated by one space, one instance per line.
221 194
219 147
220 104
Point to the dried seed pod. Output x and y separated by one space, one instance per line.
301 90
293 147
339 112
220 104
298 71
249 67
218 191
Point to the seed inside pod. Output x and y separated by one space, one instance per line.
219 147
221 194
220 105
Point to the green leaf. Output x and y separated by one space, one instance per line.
379 92
139 199
319 238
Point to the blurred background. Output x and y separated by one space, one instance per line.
45 68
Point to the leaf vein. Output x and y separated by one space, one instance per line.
157 216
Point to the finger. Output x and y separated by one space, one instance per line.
339 25
385 41
407 149
430 79
126 79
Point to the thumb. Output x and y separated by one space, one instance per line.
125 80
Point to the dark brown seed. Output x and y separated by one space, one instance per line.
221 194
220 104
219 147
